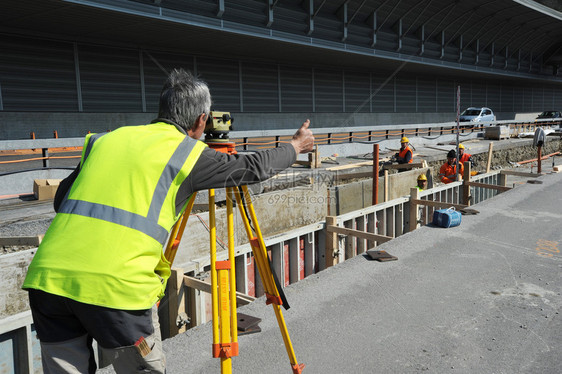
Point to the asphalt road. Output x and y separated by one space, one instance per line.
483 297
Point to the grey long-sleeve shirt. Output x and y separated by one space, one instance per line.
216 170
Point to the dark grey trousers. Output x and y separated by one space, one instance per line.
129 339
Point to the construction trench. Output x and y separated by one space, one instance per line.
300 199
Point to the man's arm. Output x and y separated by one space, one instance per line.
63 188
443 174
217 170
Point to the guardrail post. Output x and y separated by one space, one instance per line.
370 132
45 153
245 141
277 137
387 134
386 185
414 195
332 246
176 303
351 136
503 179
329 138
375 197
317 162
441 131
465 185
489 163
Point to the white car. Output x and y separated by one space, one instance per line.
477 115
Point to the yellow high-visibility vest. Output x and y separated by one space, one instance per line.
104 247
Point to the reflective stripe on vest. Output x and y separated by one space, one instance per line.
91 138
149 224
450 176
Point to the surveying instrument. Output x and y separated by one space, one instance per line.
223 276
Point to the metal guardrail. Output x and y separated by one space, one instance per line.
327 135
249 140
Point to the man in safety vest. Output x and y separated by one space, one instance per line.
100 268
447 173
422 182
463 156
405 155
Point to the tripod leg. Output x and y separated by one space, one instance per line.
177 232
223 349
231 257
213 254
260 253
225 343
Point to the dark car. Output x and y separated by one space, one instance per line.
550 114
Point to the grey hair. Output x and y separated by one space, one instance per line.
184 98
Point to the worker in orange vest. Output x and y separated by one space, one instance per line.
463 156
448 170
405 156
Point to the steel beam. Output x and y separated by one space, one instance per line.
220 10
373 29
343 14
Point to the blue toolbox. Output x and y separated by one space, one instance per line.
447 217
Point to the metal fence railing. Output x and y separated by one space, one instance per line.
44 149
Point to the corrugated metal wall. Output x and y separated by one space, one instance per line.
383 94
260 87
110 79
296 89
37 75
155 66
357 92
44 75
328 90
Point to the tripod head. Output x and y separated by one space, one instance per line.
216 132
217 127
